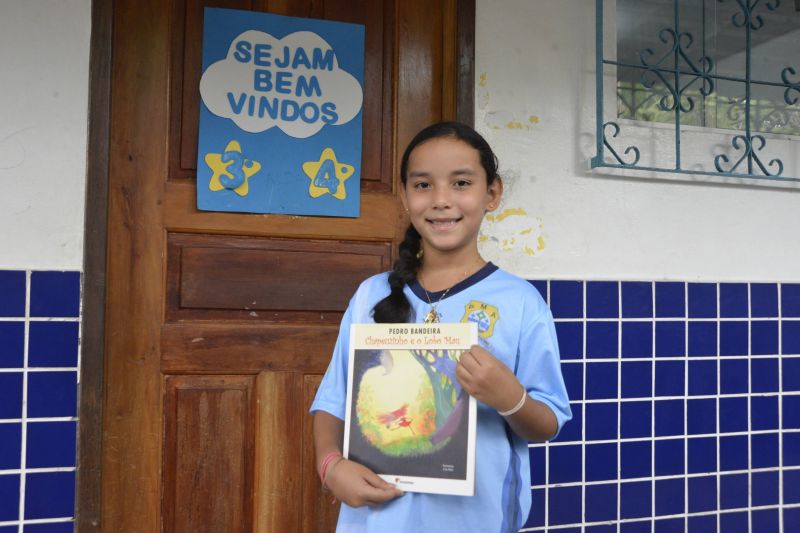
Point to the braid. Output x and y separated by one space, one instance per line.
396 307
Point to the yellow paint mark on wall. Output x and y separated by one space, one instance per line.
514 125
507 213
526 231
539 247
533 119
482 80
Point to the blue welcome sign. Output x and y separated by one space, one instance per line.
280 114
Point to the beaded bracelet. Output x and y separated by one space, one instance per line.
517 407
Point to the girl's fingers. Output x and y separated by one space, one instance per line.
468 361
376 481
462 374
475 354
377 490
480 354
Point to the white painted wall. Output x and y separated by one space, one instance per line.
44 65
535 67
535 91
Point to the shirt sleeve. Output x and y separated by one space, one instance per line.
332 393
539 367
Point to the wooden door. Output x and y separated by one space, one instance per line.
220 325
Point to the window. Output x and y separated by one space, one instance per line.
700 65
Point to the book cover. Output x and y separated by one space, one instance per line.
407 418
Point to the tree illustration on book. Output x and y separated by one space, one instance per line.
408 402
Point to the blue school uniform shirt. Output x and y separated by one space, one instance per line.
516 326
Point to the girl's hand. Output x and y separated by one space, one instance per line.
487 379
356 485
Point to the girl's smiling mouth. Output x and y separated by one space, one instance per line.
443 223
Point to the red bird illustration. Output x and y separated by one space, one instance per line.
396 419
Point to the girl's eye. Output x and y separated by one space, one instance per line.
460 184
422 185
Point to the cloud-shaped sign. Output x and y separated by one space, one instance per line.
294 83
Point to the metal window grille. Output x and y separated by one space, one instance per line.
671 72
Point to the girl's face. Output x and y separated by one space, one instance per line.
446 194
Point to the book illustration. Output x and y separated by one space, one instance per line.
408 402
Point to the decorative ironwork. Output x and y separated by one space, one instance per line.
628 150
678 50
791 86
749 155
678 80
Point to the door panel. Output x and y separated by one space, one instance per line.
257 279
280 448
322 509
208 453
219 325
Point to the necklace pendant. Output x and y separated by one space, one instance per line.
432 316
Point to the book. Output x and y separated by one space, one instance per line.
407 417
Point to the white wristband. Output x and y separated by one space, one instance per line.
517 407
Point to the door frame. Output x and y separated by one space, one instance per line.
92 384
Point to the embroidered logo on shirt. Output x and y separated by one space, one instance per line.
484 315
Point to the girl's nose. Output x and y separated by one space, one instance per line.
441 198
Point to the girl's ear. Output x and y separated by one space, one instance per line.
495 194
403 198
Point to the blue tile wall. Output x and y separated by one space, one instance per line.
733 300
637 339
790 300
602 299
763 300
702 300
39 345
790 332
670 339
670 299
686 399
12 287
791 519
12 344
601 502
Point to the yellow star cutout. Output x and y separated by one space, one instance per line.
231 169
319 172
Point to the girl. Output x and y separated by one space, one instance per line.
450 181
